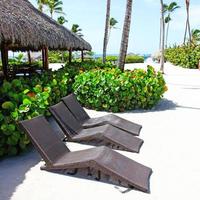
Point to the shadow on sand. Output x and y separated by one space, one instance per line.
164 105
13 171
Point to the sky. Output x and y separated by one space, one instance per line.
144 34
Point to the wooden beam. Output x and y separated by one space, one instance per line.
82 55
70 55
4 58
45 59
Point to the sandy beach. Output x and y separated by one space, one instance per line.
171 148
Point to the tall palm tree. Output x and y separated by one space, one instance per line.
125 34
169 9
112 25
55 6
107 24
76 29
41 3
187 27
61 20
162 20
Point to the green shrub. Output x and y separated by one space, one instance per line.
184 56
58 56
24 99
134 59
75 68
116 91
112 58
109 59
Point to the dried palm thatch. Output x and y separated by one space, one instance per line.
23 27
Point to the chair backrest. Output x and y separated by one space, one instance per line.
75 107
44 139
68 123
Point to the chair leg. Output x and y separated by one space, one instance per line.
89 172
74 172
98 177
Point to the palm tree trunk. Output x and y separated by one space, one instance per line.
160 34
188 22
167 33
125 35
163 37
105 43
187 2
109 33
185 35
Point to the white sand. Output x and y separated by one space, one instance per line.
171 148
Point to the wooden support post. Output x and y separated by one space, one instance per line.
4 58
29 57
45 59
82 56
70 55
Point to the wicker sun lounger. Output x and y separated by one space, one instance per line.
80 114
99 161
107 135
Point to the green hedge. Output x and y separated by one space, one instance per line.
129 59
109 59
134 59
116 91
184 56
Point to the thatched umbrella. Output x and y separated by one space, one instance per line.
23 27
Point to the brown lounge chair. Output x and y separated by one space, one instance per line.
107 135
87 122
99 160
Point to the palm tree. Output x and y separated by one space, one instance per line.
169 9
162 23
107 24
55 6
125 34
61 20
195 36
187 27
76 29
112 25
41 3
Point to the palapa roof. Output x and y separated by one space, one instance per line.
23 27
